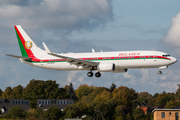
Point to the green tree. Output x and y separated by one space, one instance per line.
38 89
172 104
138 114
112 87
8 93
35 113
128 116
17 92
71 92
144 96
15 112
53 113
1 92
83 107
163 98
104 96
111 105
71 111
84 90
177 96
149 116
125 96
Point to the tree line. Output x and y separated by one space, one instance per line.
114 103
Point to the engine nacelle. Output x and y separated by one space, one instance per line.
119 71
106 67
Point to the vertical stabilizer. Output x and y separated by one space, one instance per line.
27 45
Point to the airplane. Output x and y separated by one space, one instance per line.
114 62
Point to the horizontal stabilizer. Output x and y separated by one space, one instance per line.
18 56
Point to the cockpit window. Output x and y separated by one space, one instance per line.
165 55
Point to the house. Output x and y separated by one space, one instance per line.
146 109
47 103
5 104
166 114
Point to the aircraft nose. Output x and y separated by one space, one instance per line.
174 60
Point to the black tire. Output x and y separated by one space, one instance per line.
159 72
98 74
90 74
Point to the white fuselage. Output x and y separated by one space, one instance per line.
121 59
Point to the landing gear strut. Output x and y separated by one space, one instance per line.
159 72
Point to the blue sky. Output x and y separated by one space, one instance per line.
79 26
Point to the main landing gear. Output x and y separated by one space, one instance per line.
90 74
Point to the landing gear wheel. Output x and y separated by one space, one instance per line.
98 74
159 72
90 74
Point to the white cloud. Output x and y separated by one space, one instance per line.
172 38
58 14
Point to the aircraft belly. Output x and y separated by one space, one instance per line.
142 63
57 66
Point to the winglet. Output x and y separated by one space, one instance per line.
46 48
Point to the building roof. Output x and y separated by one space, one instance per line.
166 110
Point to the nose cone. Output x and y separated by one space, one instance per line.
173 60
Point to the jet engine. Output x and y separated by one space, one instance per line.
106 67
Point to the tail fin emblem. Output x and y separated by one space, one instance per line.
28 44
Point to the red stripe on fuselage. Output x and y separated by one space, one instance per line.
103 58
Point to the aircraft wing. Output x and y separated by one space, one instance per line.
79 63
26 58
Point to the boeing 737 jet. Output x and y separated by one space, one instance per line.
115 62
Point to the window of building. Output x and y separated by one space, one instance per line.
49 102
177 116
0 102
27 103
45 102
42 102
13 102
67 102
163 115
39 102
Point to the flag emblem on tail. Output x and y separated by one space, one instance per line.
28 44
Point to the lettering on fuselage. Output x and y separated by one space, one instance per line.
128 54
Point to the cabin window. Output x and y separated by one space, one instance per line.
165 55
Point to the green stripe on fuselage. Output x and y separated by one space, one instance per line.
23 51
93 60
